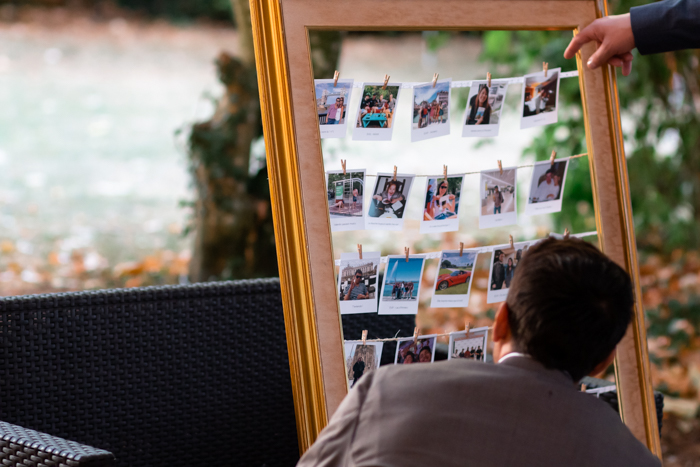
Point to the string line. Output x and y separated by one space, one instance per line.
396 339
442 175
467 83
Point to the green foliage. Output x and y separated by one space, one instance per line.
656 103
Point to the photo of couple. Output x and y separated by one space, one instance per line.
504 266
483 113
331 105
420 351
431 106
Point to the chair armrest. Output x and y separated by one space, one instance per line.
24 447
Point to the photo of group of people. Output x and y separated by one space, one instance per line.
504 266
361 359
388 203
539 99
431 107
401 286
441 206
483 114
375 115
498 198
332 101
420 350
469 345
345 199
546 187
453 280
357 282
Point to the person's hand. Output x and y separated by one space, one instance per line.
615 42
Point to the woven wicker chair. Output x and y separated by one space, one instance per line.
160 376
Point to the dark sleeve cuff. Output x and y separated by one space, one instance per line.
666 26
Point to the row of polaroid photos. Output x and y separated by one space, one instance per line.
358 288
386 206
361 358
376 109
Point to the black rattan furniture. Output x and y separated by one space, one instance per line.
193 375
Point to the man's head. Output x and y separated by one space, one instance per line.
568 306
501 257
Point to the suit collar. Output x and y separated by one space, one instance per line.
530 364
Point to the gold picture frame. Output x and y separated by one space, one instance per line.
297 181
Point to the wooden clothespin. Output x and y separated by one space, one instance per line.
336 75
415 334
406 249
500 167
386 81
545 67
461 248
444 172
583 387
467 326
359 249
488 79
342 162
364 337
566 234
552 157
435 78
511 242
394 173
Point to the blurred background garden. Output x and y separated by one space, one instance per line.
131 154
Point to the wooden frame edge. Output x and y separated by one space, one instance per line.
290 230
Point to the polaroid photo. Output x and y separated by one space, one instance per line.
499 196
441 207
504 264
547 187
376 112
484 106
540 99
357 282
453 281
420 351
332 106
401 286
471 345
431 110
361 359
345 199
387 203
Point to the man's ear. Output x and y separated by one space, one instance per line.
501 326
602 366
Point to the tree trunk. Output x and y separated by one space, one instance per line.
234 235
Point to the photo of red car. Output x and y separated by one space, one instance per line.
454 278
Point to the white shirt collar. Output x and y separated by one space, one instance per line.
513 354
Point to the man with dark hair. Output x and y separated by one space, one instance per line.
547 190
567 309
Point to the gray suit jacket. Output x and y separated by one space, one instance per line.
468 413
